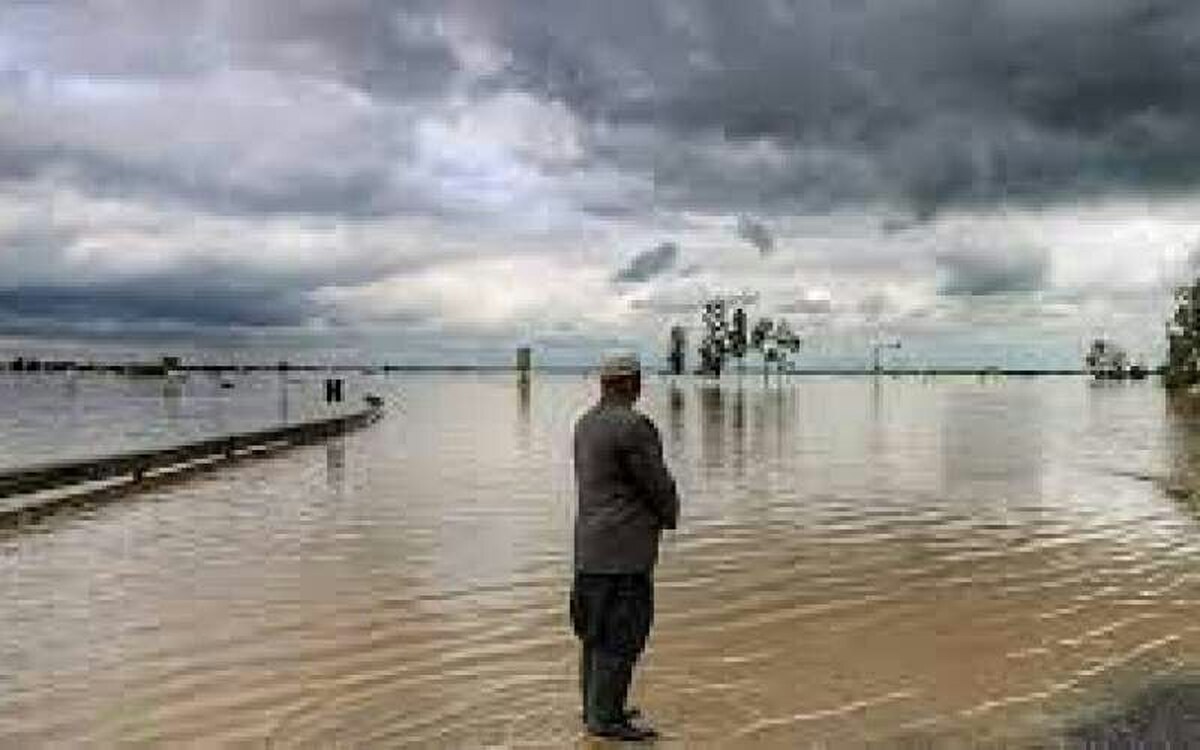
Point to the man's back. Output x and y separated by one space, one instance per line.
626 494
626 498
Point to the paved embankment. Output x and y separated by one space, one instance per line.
32 491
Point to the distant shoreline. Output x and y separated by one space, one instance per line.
156 369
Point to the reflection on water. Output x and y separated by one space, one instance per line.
677 403
894 562
335 465
712 425
172 400
992 445
523 395
285 407
737 440
1183 423
524 412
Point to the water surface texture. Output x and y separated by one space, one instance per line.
953 561
65 416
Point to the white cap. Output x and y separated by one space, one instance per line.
614 364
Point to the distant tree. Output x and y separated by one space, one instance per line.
787 342
1183 339
714 347
761 332
739 341
724 338
774 340
1106 360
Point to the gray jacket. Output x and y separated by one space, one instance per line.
626 494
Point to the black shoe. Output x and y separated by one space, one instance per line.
624 731
631 713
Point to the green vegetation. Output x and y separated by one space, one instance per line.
1183 339
774 340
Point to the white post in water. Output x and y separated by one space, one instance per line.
677 354
524 360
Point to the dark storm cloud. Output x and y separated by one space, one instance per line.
946 103
198 297
190 294
382 46
918 102
980 273
550 112
193 301
648 264
205 185
182 287
231 108
756 233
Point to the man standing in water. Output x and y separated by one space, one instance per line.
626 498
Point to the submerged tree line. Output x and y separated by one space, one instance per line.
728 335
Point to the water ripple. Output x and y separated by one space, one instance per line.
856 565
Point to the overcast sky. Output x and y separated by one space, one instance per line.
992 181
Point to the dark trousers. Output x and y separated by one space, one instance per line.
611 614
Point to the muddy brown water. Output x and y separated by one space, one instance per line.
903 562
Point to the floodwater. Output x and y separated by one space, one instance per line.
950 563
56 416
